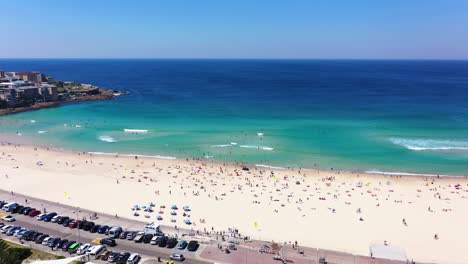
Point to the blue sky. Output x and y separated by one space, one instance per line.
413 29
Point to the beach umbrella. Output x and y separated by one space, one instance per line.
187 221
136 206
174 207
159 217
186 208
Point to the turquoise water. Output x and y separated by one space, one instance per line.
394 116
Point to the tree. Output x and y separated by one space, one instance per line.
13 255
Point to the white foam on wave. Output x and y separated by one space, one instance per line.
41 131
33 121
269 167
257 147
107 139
132 155
403 173
221 146
136 131
233 143
430 144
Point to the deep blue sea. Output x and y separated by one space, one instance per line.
369 115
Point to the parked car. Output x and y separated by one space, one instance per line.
67 222
20 234
55 218
105 255
73 223
12 230
61 243
46 240
82 249
74 247
94 229
17 209
131 235
133 259
139 237
9 218
177 256
67 245
48 217
122 258
155 240
103 229
22 210
147 238
162 242
29 235
28 211
53 242
34 213
108 242
113 257
182 244
62 220
41 238
39 217
193 245
115 231
172 242
123 235
88 225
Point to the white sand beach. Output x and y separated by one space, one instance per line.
341 211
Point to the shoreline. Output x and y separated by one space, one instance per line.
321 204
240 165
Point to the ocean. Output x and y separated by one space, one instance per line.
363 115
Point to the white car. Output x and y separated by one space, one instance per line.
54 219
177 256
82 249
8 218
39 217
134 259
45 242
5 228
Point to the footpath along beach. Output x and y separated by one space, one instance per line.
340 211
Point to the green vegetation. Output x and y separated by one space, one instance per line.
16 254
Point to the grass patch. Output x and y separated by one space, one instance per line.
36 254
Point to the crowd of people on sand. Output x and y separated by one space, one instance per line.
307 191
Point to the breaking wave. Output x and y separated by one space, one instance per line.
430 144
136 131
133 155
403 173
107 139
257 147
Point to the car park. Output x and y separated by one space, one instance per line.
182 244
28 236
5 228
88 225
193 245
115 231
55 218
96 251
108 242
177 256
8 218
22 210
20 234
46 240
12 230
9 207
17 209
53 242
134 258
122 258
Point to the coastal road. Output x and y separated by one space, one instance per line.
55 230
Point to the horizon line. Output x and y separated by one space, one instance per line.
227 58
